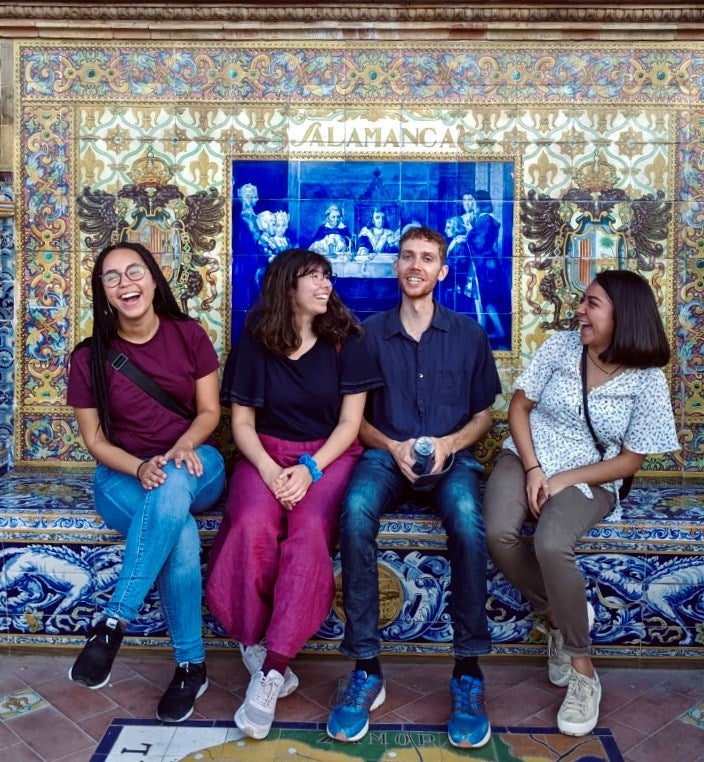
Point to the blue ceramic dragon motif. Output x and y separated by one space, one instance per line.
58 588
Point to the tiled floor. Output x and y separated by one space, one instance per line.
643 707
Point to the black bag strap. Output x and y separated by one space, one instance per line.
585 404
627 481
121 363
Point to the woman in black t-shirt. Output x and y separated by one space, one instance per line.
297 382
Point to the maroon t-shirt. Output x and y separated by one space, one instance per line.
175 357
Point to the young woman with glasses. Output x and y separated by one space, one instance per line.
155 467
297 382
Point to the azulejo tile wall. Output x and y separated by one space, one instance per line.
606 143
7 300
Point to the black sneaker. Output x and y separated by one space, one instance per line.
190 681
94 663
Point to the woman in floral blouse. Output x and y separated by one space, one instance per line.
551 471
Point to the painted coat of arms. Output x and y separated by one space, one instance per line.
180 230
594 226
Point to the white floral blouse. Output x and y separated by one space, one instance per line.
633 410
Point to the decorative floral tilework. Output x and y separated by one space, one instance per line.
140 139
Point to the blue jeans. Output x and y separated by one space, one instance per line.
162 544
377 486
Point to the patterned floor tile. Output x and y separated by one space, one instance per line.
20 702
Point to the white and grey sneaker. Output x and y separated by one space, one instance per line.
253 659
253 656
559 663
579 712
256 714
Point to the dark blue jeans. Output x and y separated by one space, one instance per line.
378 486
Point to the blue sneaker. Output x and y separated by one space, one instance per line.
469 726
349 720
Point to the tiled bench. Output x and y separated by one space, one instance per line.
58 561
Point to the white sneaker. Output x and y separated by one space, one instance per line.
253 659
255 716
559 663
579 712
253 656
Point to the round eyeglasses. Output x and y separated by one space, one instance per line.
320 278
112 278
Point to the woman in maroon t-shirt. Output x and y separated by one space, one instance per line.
155 467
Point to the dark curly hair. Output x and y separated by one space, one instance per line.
271 320
105 322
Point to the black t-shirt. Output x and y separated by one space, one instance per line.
298 400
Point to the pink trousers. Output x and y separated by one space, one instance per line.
270 574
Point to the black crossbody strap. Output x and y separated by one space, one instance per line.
627 481
585 404
122 364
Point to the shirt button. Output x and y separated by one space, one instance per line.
420 375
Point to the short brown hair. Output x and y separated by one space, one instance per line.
426 234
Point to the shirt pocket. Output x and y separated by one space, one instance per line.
451 386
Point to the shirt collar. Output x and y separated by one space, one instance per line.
440 321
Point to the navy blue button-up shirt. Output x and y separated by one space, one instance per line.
432 387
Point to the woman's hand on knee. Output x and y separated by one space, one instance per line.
537 491
150 474
183 454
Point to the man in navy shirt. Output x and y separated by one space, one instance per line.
440 381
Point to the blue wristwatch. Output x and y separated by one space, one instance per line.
307 461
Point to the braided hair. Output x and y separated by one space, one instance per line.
105 322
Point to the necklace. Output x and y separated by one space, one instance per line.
603 370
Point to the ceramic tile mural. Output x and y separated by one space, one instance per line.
7 300
589 154
644 576
354 213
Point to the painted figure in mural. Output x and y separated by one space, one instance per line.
281 221
266 222
297 383
469 210
482 239
375 238
249 231
266 244
156 467
450 404
552 471
461 287
272 240
333 237
250 258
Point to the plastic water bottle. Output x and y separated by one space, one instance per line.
424 454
